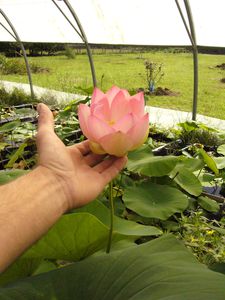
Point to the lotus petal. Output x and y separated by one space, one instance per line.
139 132
84 113
125 124
101 109
97 95
117 144
98 128
96 148
120 107
137 104
112 93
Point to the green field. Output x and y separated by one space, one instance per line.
128 71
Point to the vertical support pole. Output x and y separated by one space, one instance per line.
65 16
195 59
82 35
192 38
16 36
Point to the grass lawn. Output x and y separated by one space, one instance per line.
128 71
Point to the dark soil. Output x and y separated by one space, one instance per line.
159 91
222 80
165 92
222 66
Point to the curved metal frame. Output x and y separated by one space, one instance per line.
192 37
82 35
17 38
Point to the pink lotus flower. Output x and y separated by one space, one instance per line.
115 122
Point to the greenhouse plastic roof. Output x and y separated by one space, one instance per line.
137 22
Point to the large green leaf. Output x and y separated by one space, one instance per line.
142 161
44 266
208 204
9 126
221 149
3 145
209 161
76 236
120 225
154 200
190 163
187 180
188 126
218 267
7 176
72 238
161 269
206 179
22 268
220 162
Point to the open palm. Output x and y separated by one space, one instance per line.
81 173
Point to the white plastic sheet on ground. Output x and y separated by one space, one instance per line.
140 22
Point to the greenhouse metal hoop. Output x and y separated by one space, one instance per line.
192 37
17 38
82 35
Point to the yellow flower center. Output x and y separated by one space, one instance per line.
111 122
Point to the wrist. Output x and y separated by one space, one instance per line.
30 205
52 186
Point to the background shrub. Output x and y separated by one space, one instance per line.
69 52
17 66
16 97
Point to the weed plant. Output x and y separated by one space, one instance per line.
205 240
201 136
194 133
16 97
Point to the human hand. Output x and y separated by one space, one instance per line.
81 174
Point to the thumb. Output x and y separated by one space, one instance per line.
45 127
45 119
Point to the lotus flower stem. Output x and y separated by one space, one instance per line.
111 216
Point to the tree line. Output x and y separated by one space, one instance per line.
12 49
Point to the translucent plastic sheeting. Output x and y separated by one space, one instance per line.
138 22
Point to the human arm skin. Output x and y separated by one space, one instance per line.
65 178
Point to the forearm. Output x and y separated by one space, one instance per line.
29 206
